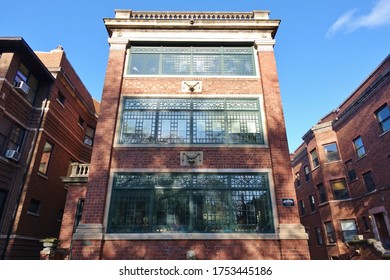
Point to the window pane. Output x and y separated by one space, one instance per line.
359 147
383 116
172 211
199 121
330 232
144 64
168 128
314 158
176 64
207 64
190 203
331 152
340 190
138 127
321 193
191 60
243 127
239 65
45 158
348 228
369 182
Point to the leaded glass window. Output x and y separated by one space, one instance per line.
191 121
164 202
191 60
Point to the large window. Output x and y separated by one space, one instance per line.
331 152
163 202
348 229
191 121
340 190
383 116
191 60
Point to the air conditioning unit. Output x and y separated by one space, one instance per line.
12 154
88 141
22 87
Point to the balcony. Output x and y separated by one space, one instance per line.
78 173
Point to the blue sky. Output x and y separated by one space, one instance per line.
324 49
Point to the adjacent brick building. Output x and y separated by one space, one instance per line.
191 157
47 121
342 175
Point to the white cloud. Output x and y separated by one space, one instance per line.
349 22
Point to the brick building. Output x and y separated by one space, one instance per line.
191 156
342 175
47 121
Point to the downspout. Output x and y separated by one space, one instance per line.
29 160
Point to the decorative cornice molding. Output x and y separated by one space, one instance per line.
172 15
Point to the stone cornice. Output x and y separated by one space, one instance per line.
172 15
131 20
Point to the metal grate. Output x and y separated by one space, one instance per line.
191 121
190 203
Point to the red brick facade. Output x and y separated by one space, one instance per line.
92 241
53 117
366 205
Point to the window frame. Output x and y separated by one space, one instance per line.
25 75
312 203
358 145
89 139
330 233
369 182
351 173
342 193
205 124
297 180
319 237
307 171
191 187
331 156
321 193
386 120
302 208
46 154
164 54
34 207
315 161
347 233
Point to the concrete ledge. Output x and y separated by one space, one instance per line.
89 232
292 231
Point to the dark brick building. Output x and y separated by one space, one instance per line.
342 175
191 157
47 121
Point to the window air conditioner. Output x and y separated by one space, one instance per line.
12 154
22 87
